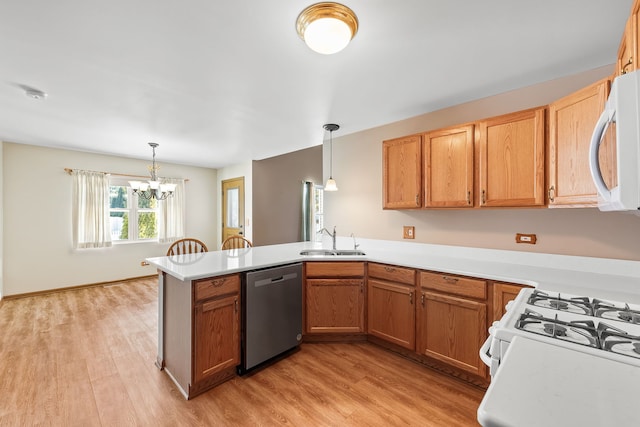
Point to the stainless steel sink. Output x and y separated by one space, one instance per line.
328 252
317 252
347 252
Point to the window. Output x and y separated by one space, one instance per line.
318 211
132 218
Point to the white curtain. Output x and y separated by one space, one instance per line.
171 214
91 227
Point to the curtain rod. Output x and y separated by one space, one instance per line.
70 171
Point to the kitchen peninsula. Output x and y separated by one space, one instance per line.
206 287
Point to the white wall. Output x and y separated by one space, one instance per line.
357 206
236 171
38 253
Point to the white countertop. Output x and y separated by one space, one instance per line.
539 384
599 277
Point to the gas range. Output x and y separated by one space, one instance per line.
608 329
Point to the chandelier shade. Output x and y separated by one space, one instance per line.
153 188
327 27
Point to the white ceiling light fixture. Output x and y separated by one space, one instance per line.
327 27
153 189
331 183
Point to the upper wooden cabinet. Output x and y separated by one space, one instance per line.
626 55
448 165
512 159
571 123
628 51
402 172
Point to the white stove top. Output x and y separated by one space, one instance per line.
601 328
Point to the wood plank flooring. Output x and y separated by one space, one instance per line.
86 357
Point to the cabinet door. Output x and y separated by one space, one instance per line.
571 123
448 160
502 294
402 172
512 159
626 62
391 314
217 336
452 330
335 305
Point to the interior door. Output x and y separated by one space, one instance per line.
232 207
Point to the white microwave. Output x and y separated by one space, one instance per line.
620 124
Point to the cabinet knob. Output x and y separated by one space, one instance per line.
422 299
468 197
417 199
552 193
484 197
411 297
449 279
389 269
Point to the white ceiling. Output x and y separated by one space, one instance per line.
218 83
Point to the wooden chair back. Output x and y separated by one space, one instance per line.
236 242
186 246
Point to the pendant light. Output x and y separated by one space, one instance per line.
331 183
327 27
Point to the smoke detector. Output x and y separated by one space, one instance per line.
32 92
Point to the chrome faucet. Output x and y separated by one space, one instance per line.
333 235
355 245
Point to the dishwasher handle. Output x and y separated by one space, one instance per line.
274 280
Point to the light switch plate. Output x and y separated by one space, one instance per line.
408 232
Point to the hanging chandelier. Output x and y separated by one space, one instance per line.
153 189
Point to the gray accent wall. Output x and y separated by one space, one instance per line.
277 194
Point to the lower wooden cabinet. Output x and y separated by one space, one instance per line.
334 298
502 294
391 312
217 336
452 330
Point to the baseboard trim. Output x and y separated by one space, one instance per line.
73 288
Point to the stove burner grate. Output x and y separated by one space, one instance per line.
581 332
578 305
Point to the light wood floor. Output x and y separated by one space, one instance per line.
86 358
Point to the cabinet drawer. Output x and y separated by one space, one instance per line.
393 273
335 269
207 288
457 285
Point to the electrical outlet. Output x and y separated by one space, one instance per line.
408 232
526 238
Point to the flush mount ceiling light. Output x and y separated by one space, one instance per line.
153 189
327 27
331 183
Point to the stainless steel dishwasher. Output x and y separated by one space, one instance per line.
272 314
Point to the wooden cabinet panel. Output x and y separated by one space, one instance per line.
216 286
393 273
216 336
391 312
335 305
452 330
512 159
402 172
571 123
627 59
334 269
458 285
448 165
502 294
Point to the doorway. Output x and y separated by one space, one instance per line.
232 207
